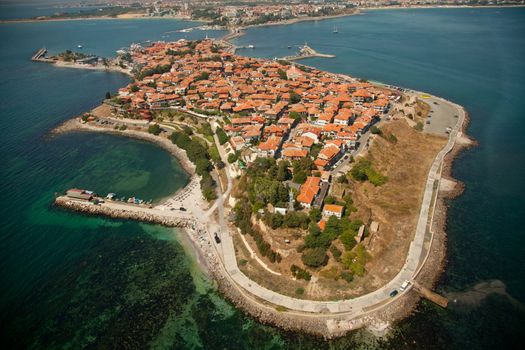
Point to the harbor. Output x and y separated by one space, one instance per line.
88 202
82 61
306 51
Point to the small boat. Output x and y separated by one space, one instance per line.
289 47
79 46
251 46
335 31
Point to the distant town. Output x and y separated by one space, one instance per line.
245 13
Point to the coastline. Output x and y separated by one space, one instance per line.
437 7
359 10
97 18
300 19
62 64
326 324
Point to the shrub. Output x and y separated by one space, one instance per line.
363 170
243 262
376 131
314 257
300 273
347 276
355 260
419 126
342 179
392 138
336 253
299 291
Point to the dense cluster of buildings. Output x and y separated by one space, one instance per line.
273 109
262 13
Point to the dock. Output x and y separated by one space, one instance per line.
40 55
430 295
306 52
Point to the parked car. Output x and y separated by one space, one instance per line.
404 285
393 293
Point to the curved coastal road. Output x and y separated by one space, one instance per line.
416 256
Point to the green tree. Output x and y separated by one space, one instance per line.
154 129
294 97
299 177
315 214
332 227
314 257
283 173
232 158
295 219
282 74
223 138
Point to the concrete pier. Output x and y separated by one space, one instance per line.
430 295
306 52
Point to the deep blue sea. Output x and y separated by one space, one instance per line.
69 280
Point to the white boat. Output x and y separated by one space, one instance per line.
251 46
335 31
79 46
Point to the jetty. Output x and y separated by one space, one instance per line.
41 56
126 211
430 295
306 52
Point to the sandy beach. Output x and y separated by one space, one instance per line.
97 18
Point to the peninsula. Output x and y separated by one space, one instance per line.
316 199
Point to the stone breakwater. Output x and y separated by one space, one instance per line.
126 214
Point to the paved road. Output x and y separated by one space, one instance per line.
363 304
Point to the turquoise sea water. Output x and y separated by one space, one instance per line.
75 281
